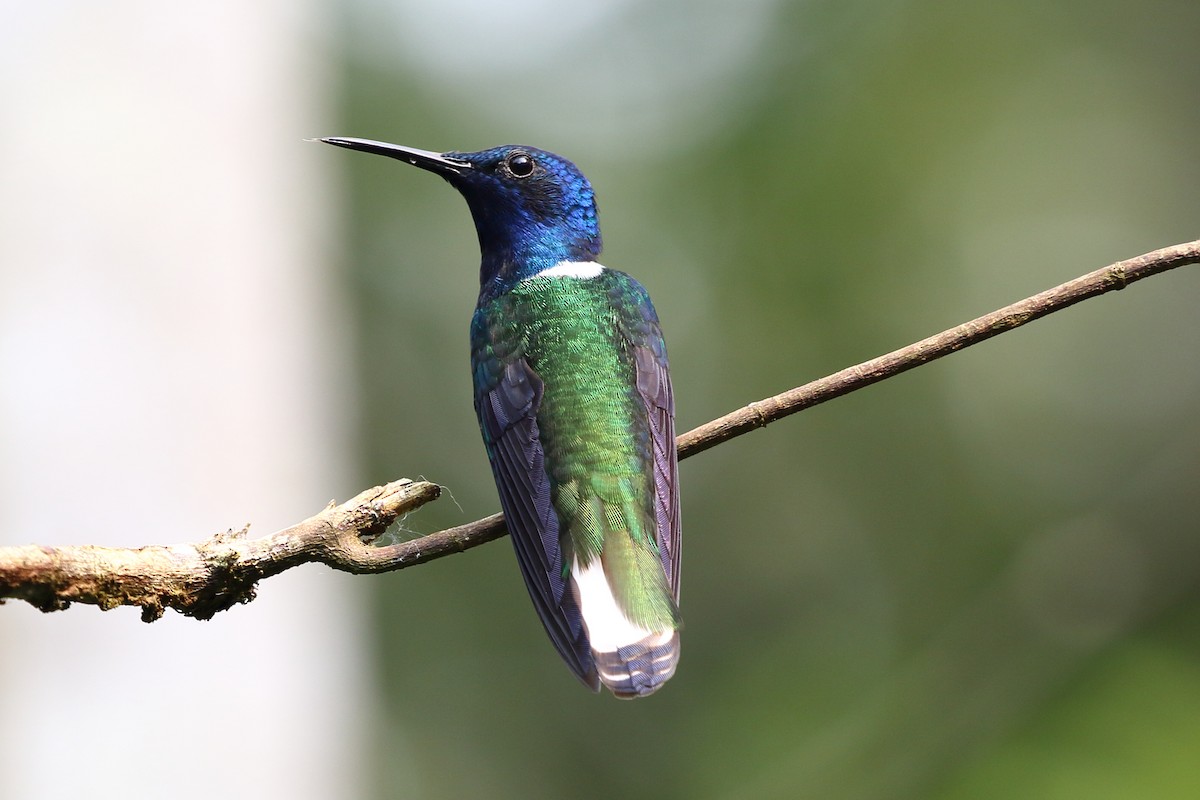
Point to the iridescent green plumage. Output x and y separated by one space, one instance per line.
580 336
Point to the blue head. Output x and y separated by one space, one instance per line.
532 209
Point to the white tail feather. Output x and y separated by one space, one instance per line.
631 660
607 626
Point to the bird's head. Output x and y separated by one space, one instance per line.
532 209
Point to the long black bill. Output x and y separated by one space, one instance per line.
425 159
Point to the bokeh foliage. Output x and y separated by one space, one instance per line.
979 579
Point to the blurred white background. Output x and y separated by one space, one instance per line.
172 362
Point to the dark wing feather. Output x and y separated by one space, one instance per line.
654 386
507 410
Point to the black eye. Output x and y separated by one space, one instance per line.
520 165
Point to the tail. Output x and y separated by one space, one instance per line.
631 660
639 669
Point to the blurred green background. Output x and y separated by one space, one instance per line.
976 580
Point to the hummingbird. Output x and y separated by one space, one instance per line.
574 401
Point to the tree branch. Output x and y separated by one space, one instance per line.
198 580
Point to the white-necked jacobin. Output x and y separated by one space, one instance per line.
575 405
